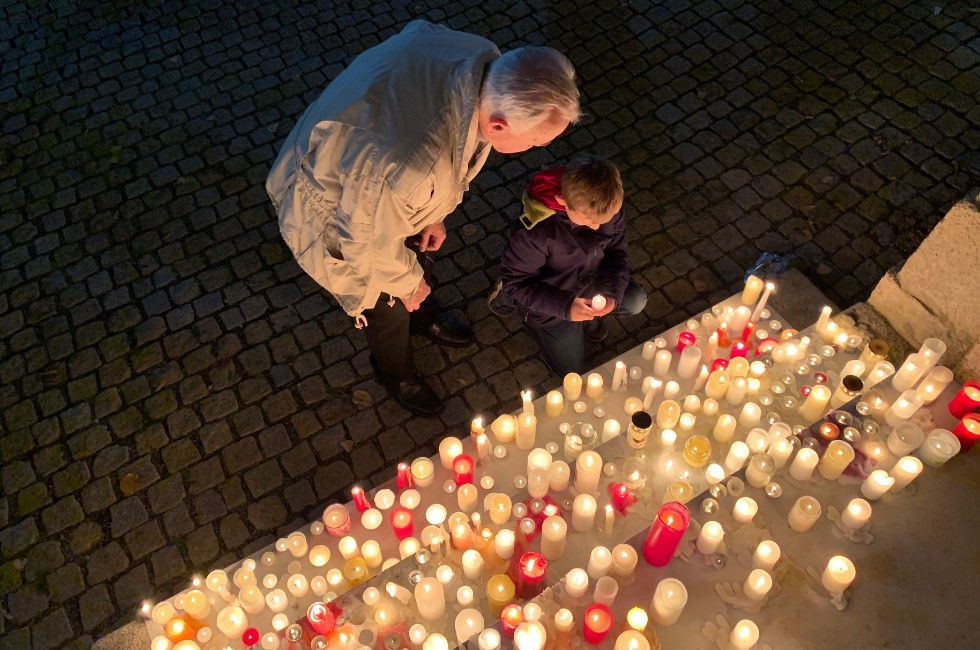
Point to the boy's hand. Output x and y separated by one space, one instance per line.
581 311
432 237
414 301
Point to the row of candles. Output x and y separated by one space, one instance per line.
556 475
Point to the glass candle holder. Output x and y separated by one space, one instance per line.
666 533
939 446
760 470
968 431
697 451
966 400
904 438
804 514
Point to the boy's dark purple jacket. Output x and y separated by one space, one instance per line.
546 267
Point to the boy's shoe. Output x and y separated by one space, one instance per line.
595 330
499 302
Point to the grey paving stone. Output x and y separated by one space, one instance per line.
95 606
105 563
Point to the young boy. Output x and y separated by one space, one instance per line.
569 256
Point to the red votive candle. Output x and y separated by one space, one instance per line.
404 476
820 377
666 533
463 469
747 332
250 637
829 431
739 349
320 618
359 498
968 431
531 570
765 345
722 332
619 496
685 339
805 390
401 522
967 400
719 363
596 623
510 617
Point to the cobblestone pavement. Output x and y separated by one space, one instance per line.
175 392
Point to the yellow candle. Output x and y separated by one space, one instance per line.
553 404
753 287
504 428
500 592
668 414
697 451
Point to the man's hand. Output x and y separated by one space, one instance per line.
432 236
581 310
414 300
610 305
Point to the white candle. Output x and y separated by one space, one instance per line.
934 384
606 590
527 404
667 438
904 407
649 350
564 621
217 582
527 428
296 543
372 518
780 451
466 497
593 386
710 537
724 428
423 473
371 552
816 403
745 510
609 519
714 473
472 563
600 560
940 445
689 363
661 363
804 514
232 622
910 372
739 320
766 555
838 575
531 635
803 465
553 533
553 404
823 319
736 391
583 512
750 416
877 483
319 555
610 429
576 583
687 422
754 318
856 514
504 428
277 600
624 560
757 585
572 386
196 604
744 635
435 642
251 600
619 376
671 390
348 547
503 543
558 476
469 623
297 585
905 471
668 602
692 404
702 378
449 449
537 483
430 597
588 468
753 287
650 391
737 455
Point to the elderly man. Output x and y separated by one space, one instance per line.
366 177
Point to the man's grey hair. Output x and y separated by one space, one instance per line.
526 84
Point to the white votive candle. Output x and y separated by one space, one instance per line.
856 515
600 561
472 563
750 415
877 483
803 465
745 510
576 583
804 514
583 512
559 473
737 455
232 622
905 471
503 543
553 404
588 469
766 555
757 585
838 575
724 428
449 449
430 597
593 386
710 537
527 428
554 530
572 386
744 635
661 363
668 601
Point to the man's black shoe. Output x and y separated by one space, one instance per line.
595 330
448 330
416 396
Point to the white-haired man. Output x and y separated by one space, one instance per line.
371 169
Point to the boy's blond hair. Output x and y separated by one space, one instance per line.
592 186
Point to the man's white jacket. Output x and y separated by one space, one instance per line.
386 150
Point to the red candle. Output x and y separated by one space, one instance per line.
739 349
620 497
177 629
510 617
360 499
829 431
531 570
250 637
805 390
722 332
685 339
404 476
968 431
401 522
463 469
765 346
320 618
967 400
747 332
820 377
666 533
596 624
719 363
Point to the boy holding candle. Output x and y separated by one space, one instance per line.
566 266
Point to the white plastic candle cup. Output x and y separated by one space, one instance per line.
838 575
745 510
710 537
757 585
877 483
576 583
668 602
856 515
600 561
744 635
804 514
737 455
803 465
939 446
766 555
606 589
905 471
904 438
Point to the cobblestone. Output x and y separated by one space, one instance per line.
161 346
